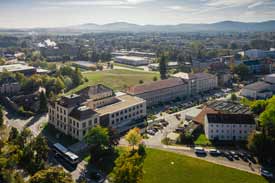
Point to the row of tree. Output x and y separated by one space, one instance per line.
22 154
128 166
262 143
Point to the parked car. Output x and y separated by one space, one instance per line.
228 156
97 177
151 132
214 152
266 173
200 151
234 155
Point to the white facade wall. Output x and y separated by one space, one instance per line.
164 95
120 119
60 119
218 131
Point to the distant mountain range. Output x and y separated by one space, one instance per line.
226 26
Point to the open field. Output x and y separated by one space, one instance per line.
117 79
161 166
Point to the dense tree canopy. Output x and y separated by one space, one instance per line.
51 175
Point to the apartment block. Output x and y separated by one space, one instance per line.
228 127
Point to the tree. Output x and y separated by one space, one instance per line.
163 67
258 106
77 77
2 61
234 97
24 138
51 175
267 119
13 135
141 81
43 102
113 137
242 71
1 116
98 138
155 78
262 146
128 168
133 137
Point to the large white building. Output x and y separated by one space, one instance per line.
179 86
260 89
96 105
160 91
258 54
132 60
228 127
199 82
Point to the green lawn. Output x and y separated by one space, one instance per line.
202 141
166 167
117 79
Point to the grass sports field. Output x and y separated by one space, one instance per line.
166 167
117 79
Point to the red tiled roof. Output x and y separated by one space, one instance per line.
200 117
154 86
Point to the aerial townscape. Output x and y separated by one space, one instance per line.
185 93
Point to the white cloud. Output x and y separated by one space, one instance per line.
234 3
98 2
174 7
255 4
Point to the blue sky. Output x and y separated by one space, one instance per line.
54 13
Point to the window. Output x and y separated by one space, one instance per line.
95 120
84 132
84 125
90 122
77 125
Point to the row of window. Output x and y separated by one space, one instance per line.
233 131
84 124
229 125
221 137
125 111
59 109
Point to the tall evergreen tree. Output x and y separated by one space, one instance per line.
43 102
1 116
163 67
